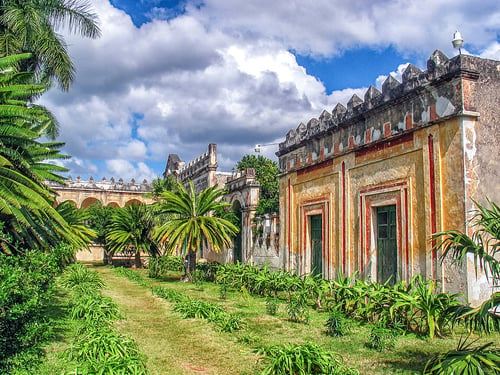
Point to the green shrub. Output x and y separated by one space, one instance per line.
223 291
197 309
303 359
157 267
228 322
465 359
168 294
79 277
94 308
337 325
272 306
102 350
25 289
297 310
381 339
249 338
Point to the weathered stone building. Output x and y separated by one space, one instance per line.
364 187
257 242
109 193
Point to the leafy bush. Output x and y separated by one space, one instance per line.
303 359
25 288
272 306
168 294
297 310
228 322
197 309
102 350
80 277
381 338
337 325
465 359
95 308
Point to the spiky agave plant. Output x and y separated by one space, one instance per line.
465 359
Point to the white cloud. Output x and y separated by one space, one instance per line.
224 73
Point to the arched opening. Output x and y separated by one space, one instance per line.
88 201
237 248
113 204
133 201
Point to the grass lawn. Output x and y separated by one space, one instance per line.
174 345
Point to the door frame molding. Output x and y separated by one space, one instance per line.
396 193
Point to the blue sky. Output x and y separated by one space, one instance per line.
172 77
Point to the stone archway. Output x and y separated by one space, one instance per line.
89 201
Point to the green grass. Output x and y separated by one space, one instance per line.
174 345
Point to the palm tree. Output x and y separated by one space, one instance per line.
30 26
131 228
192 225
484 246
26 204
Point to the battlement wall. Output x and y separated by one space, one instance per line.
421 99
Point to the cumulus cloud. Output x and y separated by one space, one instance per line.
225 72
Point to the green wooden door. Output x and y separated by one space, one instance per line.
316 244
387 244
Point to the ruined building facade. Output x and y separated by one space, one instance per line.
257 242
363 188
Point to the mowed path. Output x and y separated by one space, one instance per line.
171 344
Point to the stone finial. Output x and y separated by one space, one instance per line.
112 180
436 62
411 72
325 116
144 181
354 102
338 113
69 178
120 181
371 95
313 126
103 179
301 130
91 179
133 181
291 134
389 86
324 120
78 178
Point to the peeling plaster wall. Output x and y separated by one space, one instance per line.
428 145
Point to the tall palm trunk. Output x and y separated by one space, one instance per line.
191 262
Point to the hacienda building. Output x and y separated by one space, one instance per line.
363 188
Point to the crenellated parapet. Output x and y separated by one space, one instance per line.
242 180
201 170
103 185
117 193
420 99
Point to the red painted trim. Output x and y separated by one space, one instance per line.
309 202
407 232
385 144
404 183
343 219
289 224
361 227
432 187
315 167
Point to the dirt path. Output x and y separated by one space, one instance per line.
171 344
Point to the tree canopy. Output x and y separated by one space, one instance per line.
31 26
266 173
